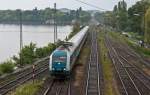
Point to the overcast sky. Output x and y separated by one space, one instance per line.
71 4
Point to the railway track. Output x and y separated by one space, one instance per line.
130 53
58 87
24 77
93 77
20 73
133 81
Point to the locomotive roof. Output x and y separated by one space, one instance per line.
59 53
75 38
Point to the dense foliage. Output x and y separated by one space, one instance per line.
6 67
45 16
44 51
136 16
120 12
31 53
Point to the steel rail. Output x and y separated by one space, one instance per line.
138 74
121 66
20 73
21 82
107 43
15 80
93 66
13 84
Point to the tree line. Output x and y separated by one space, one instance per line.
43 16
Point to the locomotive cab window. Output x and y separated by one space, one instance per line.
59 59
59 56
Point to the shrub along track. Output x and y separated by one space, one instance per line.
132 80
23 76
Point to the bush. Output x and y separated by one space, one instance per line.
45 51
28 55
31 53
6 67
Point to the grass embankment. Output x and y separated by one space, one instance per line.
131 42
29 88
110 83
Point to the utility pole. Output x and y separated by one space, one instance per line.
144 33
21 38
55 24
56 21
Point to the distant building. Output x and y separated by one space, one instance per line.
50 21
64 10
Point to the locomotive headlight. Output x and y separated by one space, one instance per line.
64 69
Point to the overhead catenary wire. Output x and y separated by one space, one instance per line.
91 5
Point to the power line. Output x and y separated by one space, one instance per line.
91 5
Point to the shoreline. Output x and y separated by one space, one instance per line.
36 23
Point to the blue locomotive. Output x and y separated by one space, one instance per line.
63 58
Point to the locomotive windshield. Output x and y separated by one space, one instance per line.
59 59
59 56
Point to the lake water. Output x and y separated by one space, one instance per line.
39 34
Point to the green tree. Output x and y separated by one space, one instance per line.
117 18
45 51
115 10
136 16
109 19
28 55
121 15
